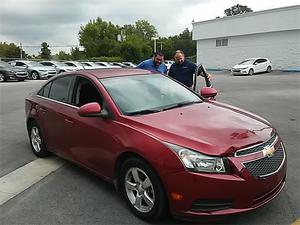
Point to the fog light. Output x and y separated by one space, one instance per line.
176 196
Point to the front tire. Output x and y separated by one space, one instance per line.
142 189
35 75
251 72
36 140
2 77
269 69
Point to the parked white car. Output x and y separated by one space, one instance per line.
91 65
107 65
75 64
168 63
129 64
251 66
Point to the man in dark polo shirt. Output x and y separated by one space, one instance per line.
183 70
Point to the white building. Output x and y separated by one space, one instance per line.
273 33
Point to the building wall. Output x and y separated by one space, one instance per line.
281 47
271 20
273 33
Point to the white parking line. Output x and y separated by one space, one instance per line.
19 180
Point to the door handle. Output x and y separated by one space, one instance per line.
43 110
67 120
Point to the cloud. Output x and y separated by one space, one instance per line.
58 21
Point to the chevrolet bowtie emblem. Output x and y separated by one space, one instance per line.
268 151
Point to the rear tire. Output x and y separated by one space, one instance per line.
251 72
142 190
36 140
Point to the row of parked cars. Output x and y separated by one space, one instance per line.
25 69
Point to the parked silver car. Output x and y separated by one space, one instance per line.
59 66
34 69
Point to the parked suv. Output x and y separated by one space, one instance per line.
251 66
7 72
34 69
59 66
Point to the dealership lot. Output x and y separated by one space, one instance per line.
71 195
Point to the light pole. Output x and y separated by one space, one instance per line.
154 43
21 51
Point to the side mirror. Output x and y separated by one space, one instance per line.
208 92
92 109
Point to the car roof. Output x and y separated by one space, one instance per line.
113 72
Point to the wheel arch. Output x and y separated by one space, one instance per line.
29 121
132 154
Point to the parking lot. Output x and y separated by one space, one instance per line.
70 195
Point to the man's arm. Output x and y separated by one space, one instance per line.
141 65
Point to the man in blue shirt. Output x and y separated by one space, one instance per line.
183 70
154 64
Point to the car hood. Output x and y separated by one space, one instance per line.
214 129
12 69
41 68
67 68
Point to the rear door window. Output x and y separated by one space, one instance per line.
60 89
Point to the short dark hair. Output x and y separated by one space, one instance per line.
158 53
179 52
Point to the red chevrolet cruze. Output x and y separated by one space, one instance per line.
162 145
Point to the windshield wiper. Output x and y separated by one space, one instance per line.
181 104
142 112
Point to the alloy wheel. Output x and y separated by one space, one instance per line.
34 75
36 140
139 190
2 78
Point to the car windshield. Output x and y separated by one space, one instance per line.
32 63
247 62
4 64
142 94
60 64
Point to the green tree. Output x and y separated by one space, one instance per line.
76 54
236 10
10 50
183 41
135 49
63 55
45 51
98 37
145 29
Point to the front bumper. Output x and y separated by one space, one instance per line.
223 194
17 76
239 72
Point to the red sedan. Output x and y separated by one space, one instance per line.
162 145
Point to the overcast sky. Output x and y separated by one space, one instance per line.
57 22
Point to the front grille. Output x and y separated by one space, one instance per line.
236 70
268 165
256 148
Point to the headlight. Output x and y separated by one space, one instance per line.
197 162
